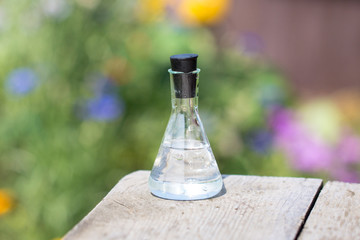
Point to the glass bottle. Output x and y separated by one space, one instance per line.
185 167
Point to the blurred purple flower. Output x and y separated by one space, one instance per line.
21 81
251 43
261 141
105 107
348 150
306 152
309 154
345 175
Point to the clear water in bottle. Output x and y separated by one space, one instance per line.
185 170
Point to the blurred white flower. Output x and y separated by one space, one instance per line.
31 20
56 8
89 4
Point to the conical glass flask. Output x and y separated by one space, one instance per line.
185 167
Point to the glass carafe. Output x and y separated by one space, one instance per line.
185 167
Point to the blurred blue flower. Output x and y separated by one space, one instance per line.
105 107
103 85
21 81
261 141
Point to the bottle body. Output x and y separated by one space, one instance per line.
185 167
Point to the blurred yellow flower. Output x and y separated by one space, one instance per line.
202 12
6 202
348 102
118 70
149 10
322 118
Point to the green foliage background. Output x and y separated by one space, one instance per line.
58 166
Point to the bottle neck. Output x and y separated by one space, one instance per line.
185 104
184 90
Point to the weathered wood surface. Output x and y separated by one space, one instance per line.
336 214
252 208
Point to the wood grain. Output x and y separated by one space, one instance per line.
336 214
249 207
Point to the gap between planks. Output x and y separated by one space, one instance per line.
309 211
336 214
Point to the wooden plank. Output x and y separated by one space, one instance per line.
336 214
249 207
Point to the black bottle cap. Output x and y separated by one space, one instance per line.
184 62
